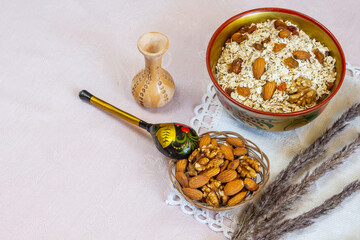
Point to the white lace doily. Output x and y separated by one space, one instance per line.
206 114
210 115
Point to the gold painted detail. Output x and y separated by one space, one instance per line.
110 108
166 134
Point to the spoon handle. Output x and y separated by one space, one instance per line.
85 95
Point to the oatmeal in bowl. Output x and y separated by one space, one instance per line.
274 69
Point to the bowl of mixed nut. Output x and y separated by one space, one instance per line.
224 172
274 69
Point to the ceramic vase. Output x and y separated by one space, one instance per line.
153 86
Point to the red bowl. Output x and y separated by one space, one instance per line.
266 120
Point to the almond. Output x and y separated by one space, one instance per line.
301 55
284 33
268 90
194 194
291 62
182 179
198 181
227 176
237 198
240 151
224 166
205 140
227 151
227 144
234 141
250 184
180 165
234 164
211 172
214 142
233 187
258 67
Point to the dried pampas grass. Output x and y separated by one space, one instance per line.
280 196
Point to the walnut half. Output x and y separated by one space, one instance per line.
301 93
303 96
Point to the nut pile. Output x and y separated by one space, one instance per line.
260 62
218 174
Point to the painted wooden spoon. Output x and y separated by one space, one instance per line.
174 140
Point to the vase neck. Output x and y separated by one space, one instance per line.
152 62
153 45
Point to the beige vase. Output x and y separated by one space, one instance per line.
153 86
